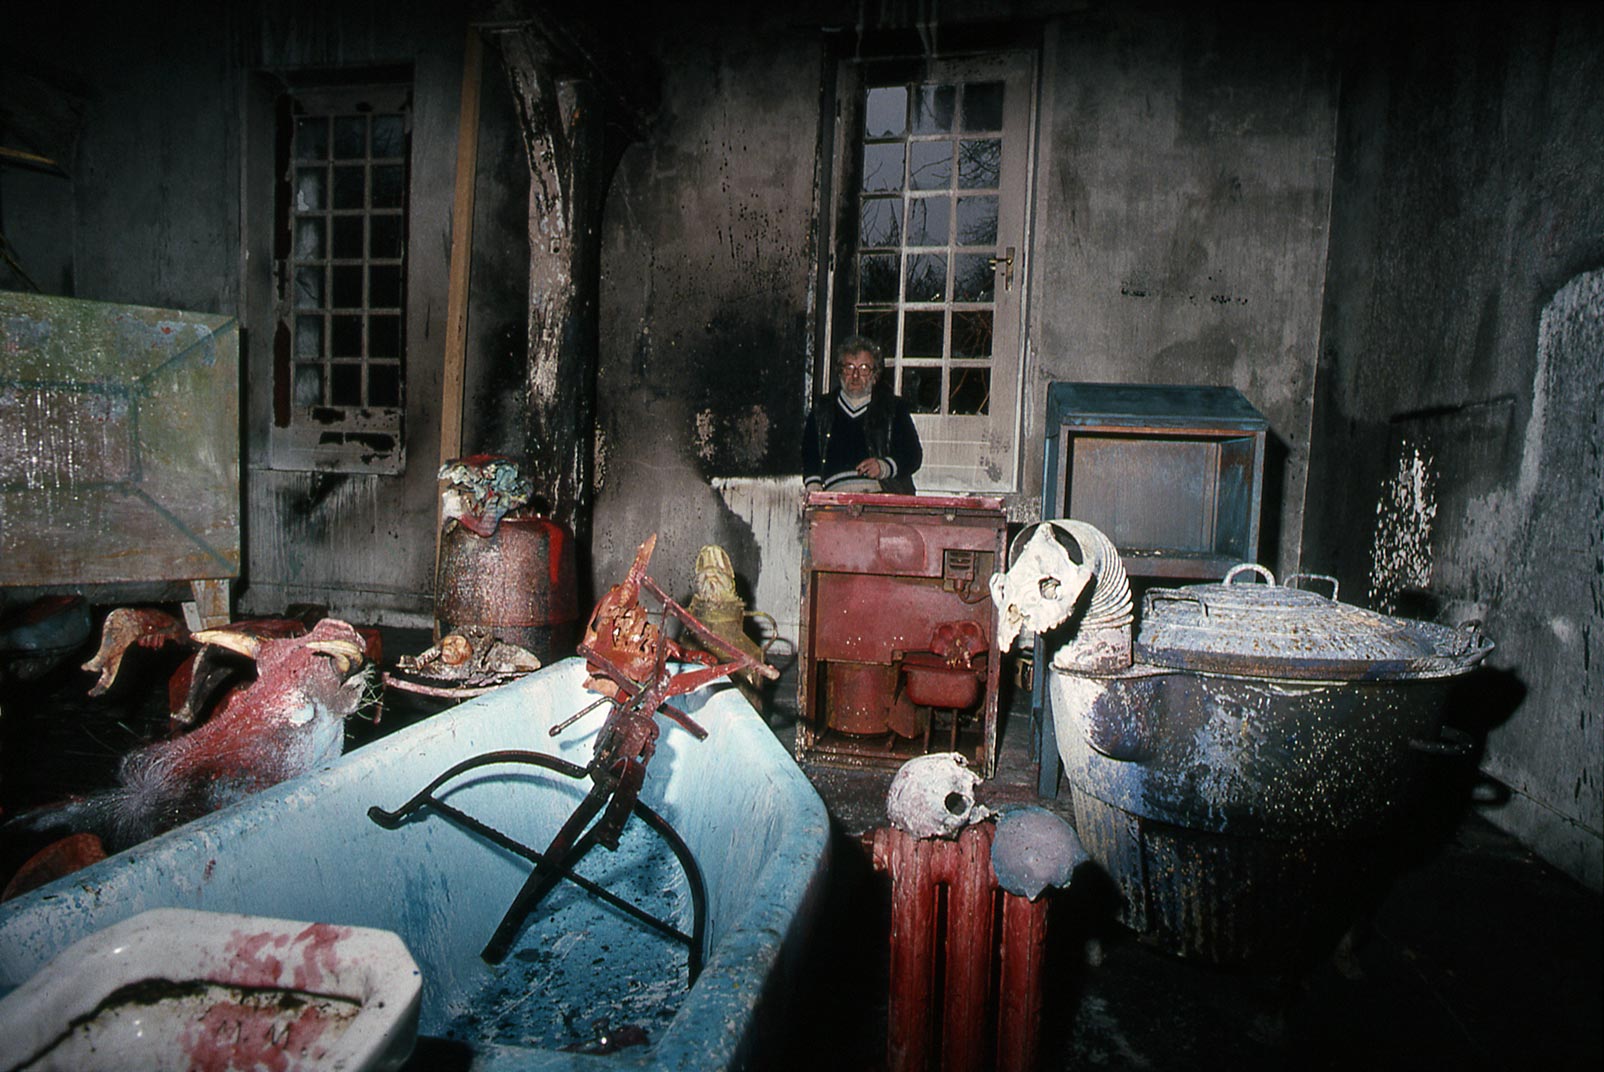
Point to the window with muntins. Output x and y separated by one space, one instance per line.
340 360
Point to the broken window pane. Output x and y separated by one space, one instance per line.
885 112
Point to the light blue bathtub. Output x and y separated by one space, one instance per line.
307 850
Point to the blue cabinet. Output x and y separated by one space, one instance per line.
1172 474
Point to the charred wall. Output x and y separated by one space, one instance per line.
1458 424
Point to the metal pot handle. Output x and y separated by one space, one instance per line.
1451 743
1244 567
1292 582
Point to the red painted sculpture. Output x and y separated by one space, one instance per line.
288 721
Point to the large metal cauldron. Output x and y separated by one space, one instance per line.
1242 775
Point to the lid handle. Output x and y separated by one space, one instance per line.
1244 567
1171 595
1292 582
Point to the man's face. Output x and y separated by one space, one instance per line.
857 373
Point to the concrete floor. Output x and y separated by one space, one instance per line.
1476 955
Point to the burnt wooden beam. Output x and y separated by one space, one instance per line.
564 128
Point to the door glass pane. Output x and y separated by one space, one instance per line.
881 327
921 388
971 333
927 221
979 163
923 335
971 390
977 221
972 278
941 194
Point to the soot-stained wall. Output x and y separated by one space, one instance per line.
1459 421
705 281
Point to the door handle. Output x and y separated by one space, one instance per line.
1007 261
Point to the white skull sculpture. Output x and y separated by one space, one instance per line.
934 796
1040 589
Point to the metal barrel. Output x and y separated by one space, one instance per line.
519 583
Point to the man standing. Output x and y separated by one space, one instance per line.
860 437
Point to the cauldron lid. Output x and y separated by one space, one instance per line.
1285 631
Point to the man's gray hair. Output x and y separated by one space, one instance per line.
860 344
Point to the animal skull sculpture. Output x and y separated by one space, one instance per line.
934 796
1041 588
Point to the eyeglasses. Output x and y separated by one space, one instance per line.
856 369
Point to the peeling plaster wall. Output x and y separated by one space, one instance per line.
1459 424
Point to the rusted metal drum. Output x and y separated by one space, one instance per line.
519 583
1240 779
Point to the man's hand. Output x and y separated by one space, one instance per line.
873 468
